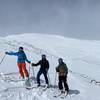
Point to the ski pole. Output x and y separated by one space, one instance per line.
49 79
34 74
29 70
2 59
55 80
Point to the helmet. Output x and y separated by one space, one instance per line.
60 60
43 56
21 48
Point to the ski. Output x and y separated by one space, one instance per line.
30 88
42 89
61 95
58 95
18 87
64 95
9 79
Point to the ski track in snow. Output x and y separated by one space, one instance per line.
80 84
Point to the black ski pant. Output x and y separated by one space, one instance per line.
44 72
63 80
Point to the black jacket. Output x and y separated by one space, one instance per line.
43 63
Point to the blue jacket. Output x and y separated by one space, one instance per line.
21 56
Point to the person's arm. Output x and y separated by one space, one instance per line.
66 69
36 64
27 59
12 53
48 65
57 69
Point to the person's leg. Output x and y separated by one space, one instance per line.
65 83
20 69
38 77
60 83
27 81
45 76
25 70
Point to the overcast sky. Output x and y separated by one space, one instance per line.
72 18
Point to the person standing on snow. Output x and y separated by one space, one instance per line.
21 62
44 63
62 73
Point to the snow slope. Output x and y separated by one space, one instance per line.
81 56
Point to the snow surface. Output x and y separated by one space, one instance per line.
81 56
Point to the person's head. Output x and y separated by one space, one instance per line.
21 48
60 60
43 56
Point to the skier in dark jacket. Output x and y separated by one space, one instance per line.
62 72
21 61
43 69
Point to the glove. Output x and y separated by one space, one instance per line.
6 52
47 69
29 62
32 64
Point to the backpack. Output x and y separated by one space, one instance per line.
62 70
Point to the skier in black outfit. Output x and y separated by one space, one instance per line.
43 69
62 73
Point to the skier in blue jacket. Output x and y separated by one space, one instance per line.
22 58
